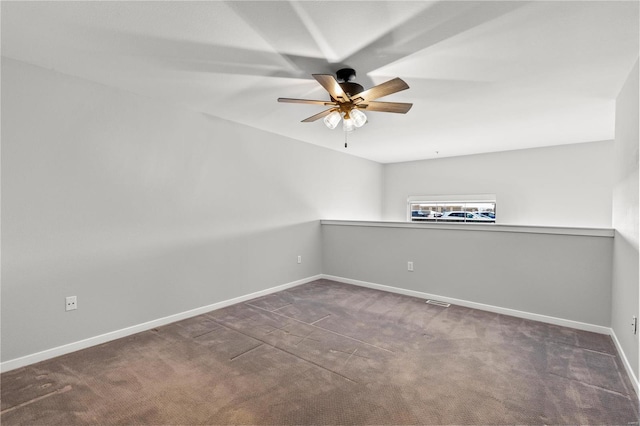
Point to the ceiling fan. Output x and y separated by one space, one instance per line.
349 99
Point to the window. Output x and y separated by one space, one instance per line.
479 208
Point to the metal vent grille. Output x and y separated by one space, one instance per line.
438 303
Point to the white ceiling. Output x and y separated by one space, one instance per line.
483 76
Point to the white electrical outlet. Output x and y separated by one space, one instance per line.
71 303
299 259
410 266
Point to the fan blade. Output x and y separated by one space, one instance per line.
384 89
331 85
397 107
318 115
305 101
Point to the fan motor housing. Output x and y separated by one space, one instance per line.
350 88
345 77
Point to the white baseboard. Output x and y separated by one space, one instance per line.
107 337
627 364
490 308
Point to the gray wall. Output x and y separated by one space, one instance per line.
568 185
143 210
625 220
562 276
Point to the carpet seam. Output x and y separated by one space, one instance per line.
287 352
322 328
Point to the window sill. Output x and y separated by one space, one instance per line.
591 232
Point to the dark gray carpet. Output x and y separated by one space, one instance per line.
330 353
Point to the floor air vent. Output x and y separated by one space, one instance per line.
438 303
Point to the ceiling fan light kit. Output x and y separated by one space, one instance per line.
351 120
348 99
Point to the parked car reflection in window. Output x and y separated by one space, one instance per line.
453 211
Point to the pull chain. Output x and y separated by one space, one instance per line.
345 139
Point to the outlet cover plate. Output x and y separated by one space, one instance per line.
71 303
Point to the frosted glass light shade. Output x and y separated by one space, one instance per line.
348 125
358 117
332 120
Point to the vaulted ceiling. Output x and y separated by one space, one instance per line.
484 76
